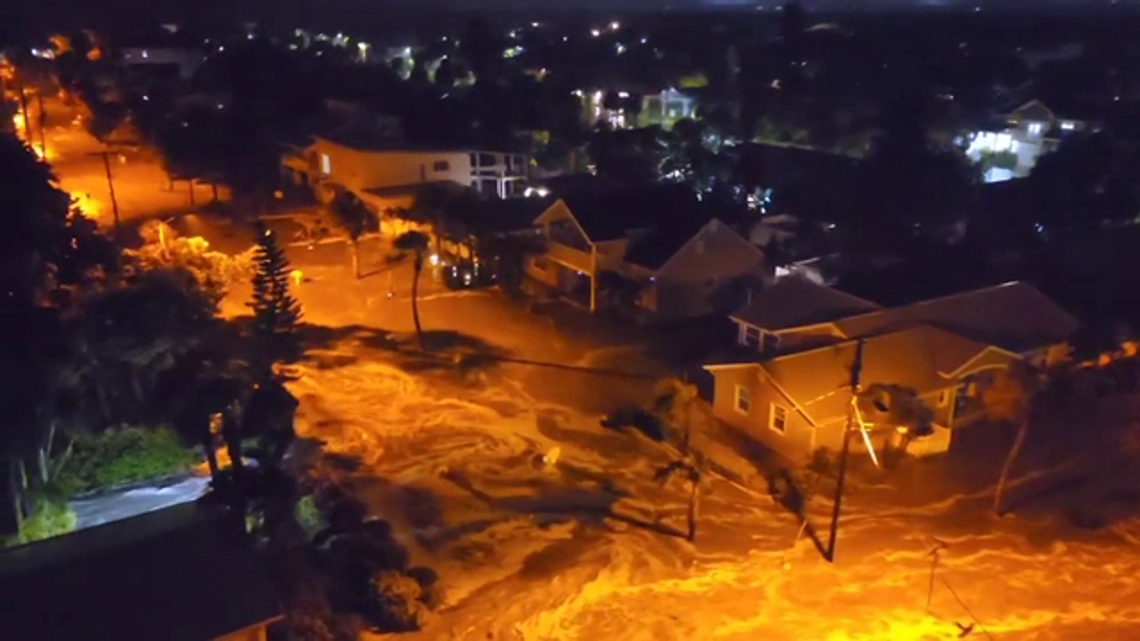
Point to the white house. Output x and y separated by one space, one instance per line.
1030 131
364 164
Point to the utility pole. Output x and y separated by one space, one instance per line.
43 117
24 109
856 375
110 186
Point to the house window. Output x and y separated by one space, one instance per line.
1035 128
743 401
441 165
769 342
326 165
1068 125
750 336
778 418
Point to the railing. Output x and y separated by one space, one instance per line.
569 256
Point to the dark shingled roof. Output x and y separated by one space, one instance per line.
655 248
1014 316
185 573
795 302
500 215
611 215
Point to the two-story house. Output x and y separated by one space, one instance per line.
1028 132
788 384
365 154
678 263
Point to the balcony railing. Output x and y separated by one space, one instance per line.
570 257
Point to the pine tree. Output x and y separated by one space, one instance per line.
276 312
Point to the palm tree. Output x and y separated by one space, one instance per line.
416 242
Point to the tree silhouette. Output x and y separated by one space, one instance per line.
1012 399
276 312
416 242
354 218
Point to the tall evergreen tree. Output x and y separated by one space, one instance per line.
276 312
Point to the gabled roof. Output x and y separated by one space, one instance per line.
916 358
1033 110
654 249
794 301
1014 316
612 215
185 573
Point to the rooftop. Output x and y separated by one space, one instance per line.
183 573
613 214
1014 316
795 301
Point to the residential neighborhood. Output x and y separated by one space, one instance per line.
710 321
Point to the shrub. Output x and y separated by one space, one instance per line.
124 455
397 599
48 519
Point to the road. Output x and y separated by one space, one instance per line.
587 548
141 186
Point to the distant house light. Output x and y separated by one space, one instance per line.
595 32
614 26
623 94
145 54
1068 125
644 40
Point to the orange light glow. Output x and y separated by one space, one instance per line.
86 205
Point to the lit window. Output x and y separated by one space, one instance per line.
326 165
1035 128
743 400
145 54
1068 125
441 165
778 418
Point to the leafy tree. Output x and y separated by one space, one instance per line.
673 406
354 217
1013 399
126 339
908 184
276 312
45 247
45 244
163 249
417 243
1087 182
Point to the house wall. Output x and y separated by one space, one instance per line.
709 274
359 170
795 443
